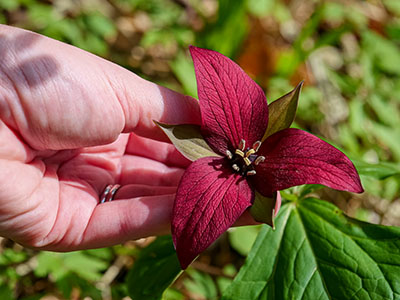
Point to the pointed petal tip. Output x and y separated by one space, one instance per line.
193 49
295 157
199 217
185 260
226 96
358 189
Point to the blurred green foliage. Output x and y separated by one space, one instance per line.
348 55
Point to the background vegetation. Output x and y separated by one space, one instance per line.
346 51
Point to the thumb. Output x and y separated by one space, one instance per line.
57 96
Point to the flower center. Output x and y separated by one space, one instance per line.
244 159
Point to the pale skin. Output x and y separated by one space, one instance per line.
70 124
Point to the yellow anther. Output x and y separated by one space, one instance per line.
247 161
250 152
239 152
251 172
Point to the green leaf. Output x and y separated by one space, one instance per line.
9 5
388 136
393 6
229 30
10 256
260 7
282 111
87 267
242 238
384 52
61 264
6 293
183 69
383 109
155 269
188 140
70 283
380 171
201 285
100 24
317 252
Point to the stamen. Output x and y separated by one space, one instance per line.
240 153
236 167
247 161
250 152
228 154
242 145
244 159
259 159
256 146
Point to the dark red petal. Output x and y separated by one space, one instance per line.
294 157
233 106
210 198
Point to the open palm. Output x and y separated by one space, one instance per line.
70 124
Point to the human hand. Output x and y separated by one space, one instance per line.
70 124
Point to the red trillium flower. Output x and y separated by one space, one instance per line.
244 155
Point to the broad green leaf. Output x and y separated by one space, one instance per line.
188 140
155 269
316 252
282 111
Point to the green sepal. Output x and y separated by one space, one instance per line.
282 111
263 209
188 140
